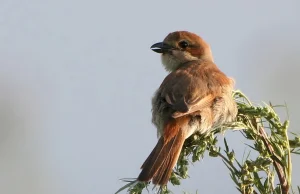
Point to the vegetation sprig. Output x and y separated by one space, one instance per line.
269 139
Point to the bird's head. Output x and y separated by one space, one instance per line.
180 47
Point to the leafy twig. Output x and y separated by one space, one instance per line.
256 175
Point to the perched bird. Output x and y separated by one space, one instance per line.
195 97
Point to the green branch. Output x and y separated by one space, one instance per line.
269 136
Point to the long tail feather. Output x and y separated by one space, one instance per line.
161 161
163 174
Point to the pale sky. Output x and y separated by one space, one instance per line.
77 77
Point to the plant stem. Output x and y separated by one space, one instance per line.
228 162
289 167
278 168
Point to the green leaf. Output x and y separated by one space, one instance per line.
226 145
130 184
258 183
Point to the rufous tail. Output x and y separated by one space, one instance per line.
160 163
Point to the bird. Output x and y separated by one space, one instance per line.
196 96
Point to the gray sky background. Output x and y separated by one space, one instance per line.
76 79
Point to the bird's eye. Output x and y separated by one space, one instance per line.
183 44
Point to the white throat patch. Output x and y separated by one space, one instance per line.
172 61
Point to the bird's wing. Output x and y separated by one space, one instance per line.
192 88
199 105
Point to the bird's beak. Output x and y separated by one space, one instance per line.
161 47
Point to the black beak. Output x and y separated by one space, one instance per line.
161 47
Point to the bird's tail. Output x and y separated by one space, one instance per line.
160 163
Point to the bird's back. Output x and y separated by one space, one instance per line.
190 84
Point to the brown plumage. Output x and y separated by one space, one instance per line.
195 96
162 159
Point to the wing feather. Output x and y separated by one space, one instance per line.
193 87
